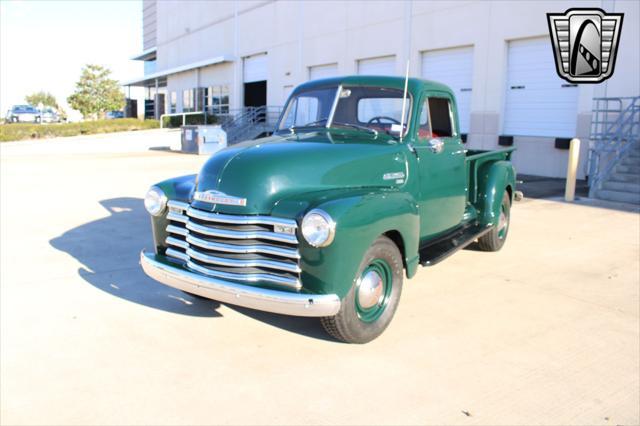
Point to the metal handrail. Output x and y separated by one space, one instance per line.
253 119
243 123
612 136
176 114
239 122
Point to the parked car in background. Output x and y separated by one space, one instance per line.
23 114
114 114
49 115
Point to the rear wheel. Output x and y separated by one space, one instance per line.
368 308
494 239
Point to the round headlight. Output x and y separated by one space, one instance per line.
155 201
318 228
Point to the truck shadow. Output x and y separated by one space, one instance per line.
305 326
109 250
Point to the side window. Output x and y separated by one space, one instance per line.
424 129
440 115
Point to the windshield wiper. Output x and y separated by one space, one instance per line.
355 126
313 123
293 129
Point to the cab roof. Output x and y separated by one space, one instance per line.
415 85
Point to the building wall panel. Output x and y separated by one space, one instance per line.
300 35
149 24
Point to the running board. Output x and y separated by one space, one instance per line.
438 250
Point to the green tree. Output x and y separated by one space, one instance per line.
96 93
46 98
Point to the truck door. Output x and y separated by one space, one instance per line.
441 165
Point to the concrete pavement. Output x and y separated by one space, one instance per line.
545 331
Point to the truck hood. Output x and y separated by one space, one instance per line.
266 170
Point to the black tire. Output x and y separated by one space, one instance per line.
494 239
354 324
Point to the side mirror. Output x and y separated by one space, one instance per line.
395 129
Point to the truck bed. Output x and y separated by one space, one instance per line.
474 161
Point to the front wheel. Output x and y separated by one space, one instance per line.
368 308
494 239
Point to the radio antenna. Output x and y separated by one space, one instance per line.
404 100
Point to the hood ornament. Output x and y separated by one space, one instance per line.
217 197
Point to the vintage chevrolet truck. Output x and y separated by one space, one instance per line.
325 217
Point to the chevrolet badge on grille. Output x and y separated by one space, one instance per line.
217 197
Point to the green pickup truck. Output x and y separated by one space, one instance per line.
327 216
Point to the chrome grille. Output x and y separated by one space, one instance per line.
233 247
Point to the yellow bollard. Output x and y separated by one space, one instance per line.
572 168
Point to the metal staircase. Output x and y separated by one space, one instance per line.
614 155
250 122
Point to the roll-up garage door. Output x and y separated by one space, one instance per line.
255 68
323 71
385 65
537 102
453 67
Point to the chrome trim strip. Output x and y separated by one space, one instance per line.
231 248
177 217
177 230
176 242
290 283
334 106
243 263
243 235
212 196
177 205
281 302
177 254
240 220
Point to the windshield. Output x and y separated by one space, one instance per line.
309 109
24 108
372 109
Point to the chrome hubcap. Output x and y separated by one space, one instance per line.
502 224
370 290
503 221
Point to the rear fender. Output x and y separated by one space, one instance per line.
494 179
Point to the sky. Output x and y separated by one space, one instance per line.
45 44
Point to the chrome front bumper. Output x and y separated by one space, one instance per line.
280 302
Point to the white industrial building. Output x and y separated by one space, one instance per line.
496 56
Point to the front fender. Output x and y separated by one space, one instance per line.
179 189
361 216
495 178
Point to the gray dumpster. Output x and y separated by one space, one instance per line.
202 140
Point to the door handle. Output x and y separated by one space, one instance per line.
413 149
436 145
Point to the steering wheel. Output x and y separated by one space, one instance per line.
378 119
